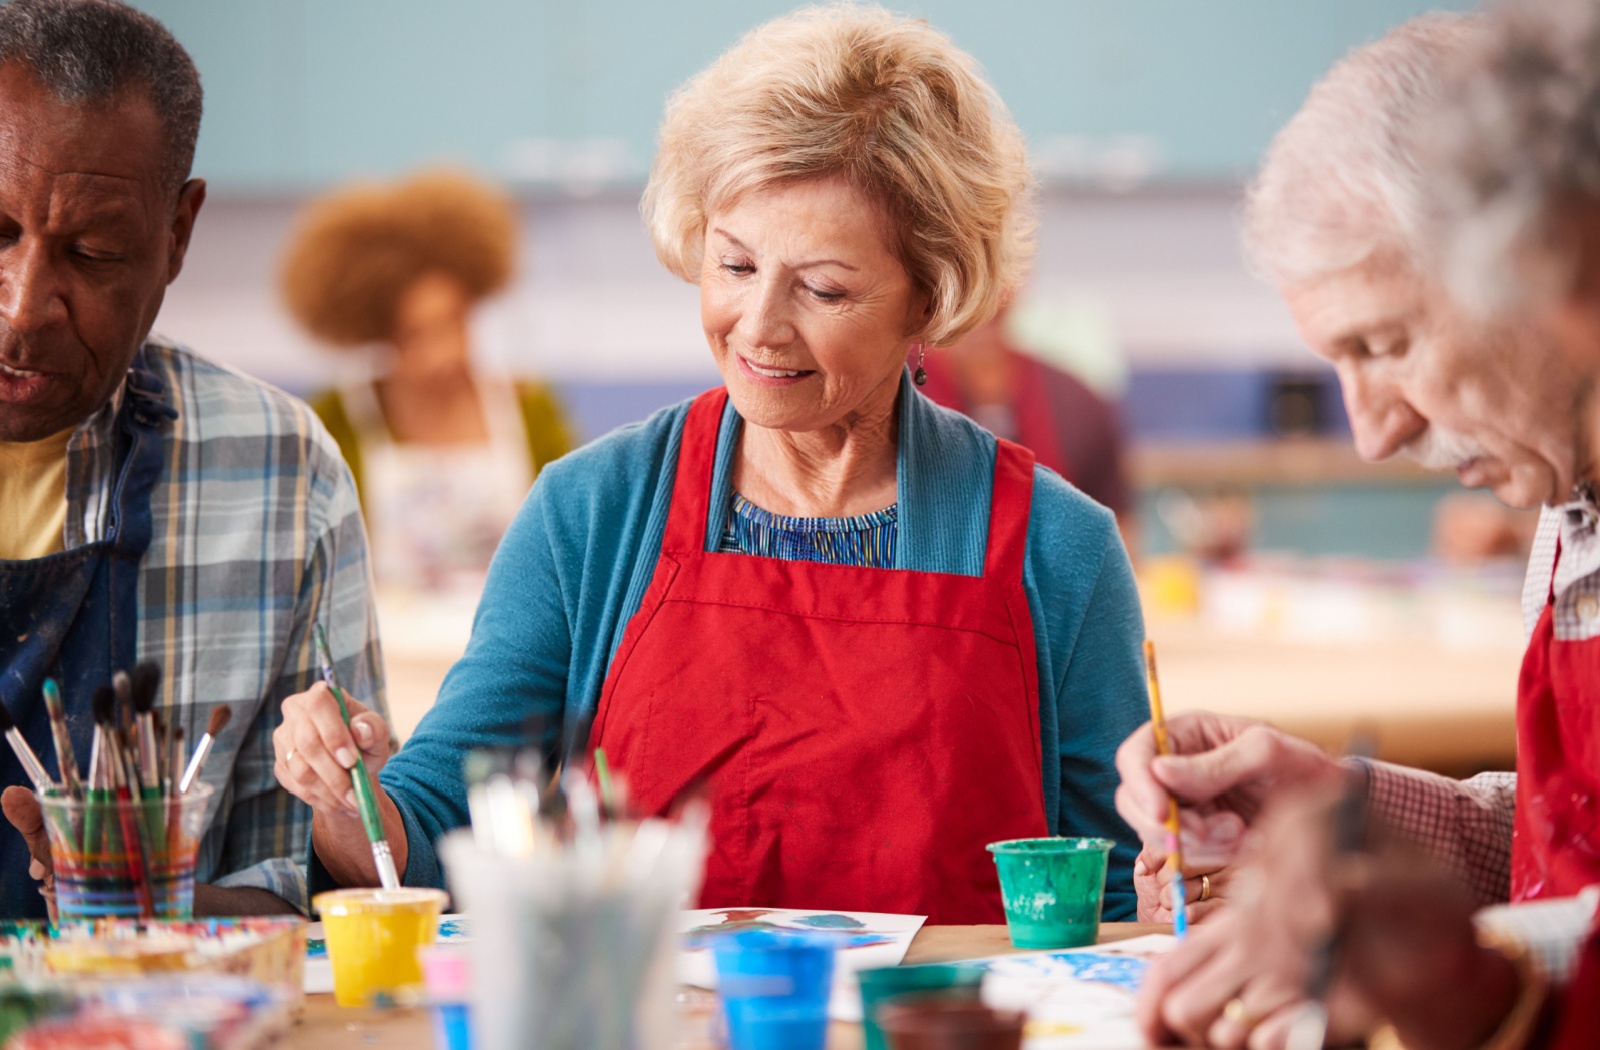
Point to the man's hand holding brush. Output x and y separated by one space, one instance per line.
1379 934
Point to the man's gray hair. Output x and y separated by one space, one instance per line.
87 50
1341 181
1519 136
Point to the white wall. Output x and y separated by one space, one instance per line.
592 303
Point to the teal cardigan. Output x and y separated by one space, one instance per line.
573 568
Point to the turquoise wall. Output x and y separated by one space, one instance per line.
304 92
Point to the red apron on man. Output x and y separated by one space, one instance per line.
865 731
1555 849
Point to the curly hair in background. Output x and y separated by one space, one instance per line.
357 250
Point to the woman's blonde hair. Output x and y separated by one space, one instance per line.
357 250
888 104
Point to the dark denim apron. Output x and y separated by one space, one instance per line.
73 617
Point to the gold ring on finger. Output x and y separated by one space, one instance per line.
1240 1014
288 759
1205 888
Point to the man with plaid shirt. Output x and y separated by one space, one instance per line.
153 506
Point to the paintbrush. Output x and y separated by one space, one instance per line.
173 794
30 761
146 682
104 706
176 761
1309 1029
66 760
124 777
1158 722
122 685
366 801
220 715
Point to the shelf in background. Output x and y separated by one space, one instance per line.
1283 461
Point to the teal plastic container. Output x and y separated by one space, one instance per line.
1052 889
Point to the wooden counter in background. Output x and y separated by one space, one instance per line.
1447 709
1452 710
1279 461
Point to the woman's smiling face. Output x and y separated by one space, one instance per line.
805 305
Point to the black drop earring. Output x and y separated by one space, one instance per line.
920 376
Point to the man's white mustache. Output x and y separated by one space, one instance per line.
1442 450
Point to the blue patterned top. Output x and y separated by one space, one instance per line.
866 539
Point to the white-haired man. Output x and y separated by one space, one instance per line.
1340 221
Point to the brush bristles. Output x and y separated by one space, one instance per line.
146 683
52 699
104 705
6 724
218 720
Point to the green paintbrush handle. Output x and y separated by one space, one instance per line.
367 802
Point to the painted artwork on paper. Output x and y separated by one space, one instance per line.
854 930
866 940
1079 998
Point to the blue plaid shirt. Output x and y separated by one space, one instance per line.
257 534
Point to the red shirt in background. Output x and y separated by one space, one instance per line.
1068 427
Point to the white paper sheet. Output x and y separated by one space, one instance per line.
866 940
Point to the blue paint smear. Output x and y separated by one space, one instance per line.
452 929
1121 971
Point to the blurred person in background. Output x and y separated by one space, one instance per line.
442 454
153 505
1014 394
1490 134
882 637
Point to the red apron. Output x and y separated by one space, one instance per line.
1577 1006
1555 848
865 731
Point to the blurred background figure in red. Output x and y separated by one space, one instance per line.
1008 387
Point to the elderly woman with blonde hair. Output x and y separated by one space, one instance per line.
882 637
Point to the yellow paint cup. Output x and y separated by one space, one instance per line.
374 937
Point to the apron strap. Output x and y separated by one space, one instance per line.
691 484
1010 503
1010 500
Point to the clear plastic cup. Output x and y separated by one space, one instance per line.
774 986
125 859
374 937
1053 889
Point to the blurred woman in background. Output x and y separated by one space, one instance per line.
442 455
883 637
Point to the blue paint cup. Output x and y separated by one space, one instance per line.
774 986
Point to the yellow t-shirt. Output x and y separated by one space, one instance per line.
33 497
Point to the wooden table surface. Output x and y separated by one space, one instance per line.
326 1026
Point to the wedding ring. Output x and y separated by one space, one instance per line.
1205 888
288 760
1240 1014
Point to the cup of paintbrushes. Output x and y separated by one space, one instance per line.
573 942
125 857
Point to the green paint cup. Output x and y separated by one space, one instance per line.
1052 889
882 984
